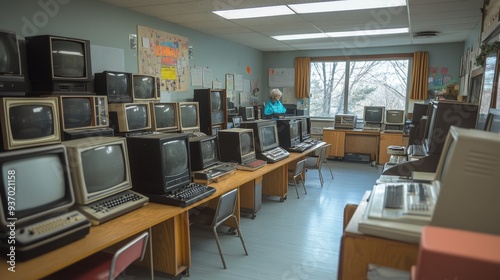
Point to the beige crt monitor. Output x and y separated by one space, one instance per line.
469 173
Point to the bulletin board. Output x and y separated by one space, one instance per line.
165 56
281 77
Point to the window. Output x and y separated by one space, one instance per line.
346 86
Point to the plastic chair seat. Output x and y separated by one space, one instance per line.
294 174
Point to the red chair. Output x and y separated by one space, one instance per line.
103 265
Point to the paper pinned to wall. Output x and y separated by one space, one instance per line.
207 77
196 76
281 77
238 82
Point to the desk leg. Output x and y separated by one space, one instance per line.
275 183
171 245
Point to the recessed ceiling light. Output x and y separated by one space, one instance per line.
255 12
347 5
299 36
367 32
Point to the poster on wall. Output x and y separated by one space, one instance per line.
165 56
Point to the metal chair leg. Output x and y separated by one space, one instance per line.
218 246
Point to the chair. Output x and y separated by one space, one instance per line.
315 163
104 265
294 174
213 218
328 148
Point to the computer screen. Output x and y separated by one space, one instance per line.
204 151
35 184
217 107
159 163
247 113
145 88
165 116
288 133
493 121
468 175
11 76
395 117
28 122
374 114
238 145
189 116
76 112
117 86
99 167
126 117
265 133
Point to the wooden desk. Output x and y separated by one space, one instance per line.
358 250
169 224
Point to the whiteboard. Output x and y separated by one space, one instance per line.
281 77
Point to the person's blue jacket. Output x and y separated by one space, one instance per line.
274 107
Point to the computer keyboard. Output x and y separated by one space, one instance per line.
252 165
44 236
300 147
408 202
184 195
113 206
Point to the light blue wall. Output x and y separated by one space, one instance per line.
110 26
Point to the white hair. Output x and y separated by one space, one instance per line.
275 93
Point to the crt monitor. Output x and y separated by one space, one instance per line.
238 145
305 126
189 116
145 88
247 113
493 121
28 122
159 163
57 63
126 117
83 111
165 117
35 185
99 167
395 117
204 151
374 114
288 132
117 86
469 181
11 76
266 134
217 107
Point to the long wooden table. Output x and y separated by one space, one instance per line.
169 226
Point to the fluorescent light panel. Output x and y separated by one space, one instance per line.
336 6
341 34
255 12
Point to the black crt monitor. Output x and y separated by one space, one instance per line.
305 124
247 113
11 76
444 114
117 86
288 132
265 133
58 64
374 114
159 163
238 143
145 88
204 151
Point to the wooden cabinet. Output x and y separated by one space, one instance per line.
337 139
386 140
213 109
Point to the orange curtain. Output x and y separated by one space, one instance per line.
302 77
419 76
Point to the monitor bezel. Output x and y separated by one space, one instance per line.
196 152
9 143
382 116
55 207
260 136
156 93
120 110
191 128
75 148
403 119
13 39
155 127
101 86
98 114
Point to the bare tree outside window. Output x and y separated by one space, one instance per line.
370 83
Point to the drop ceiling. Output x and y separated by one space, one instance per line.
453 20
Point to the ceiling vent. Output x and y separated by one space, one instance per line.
425 34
